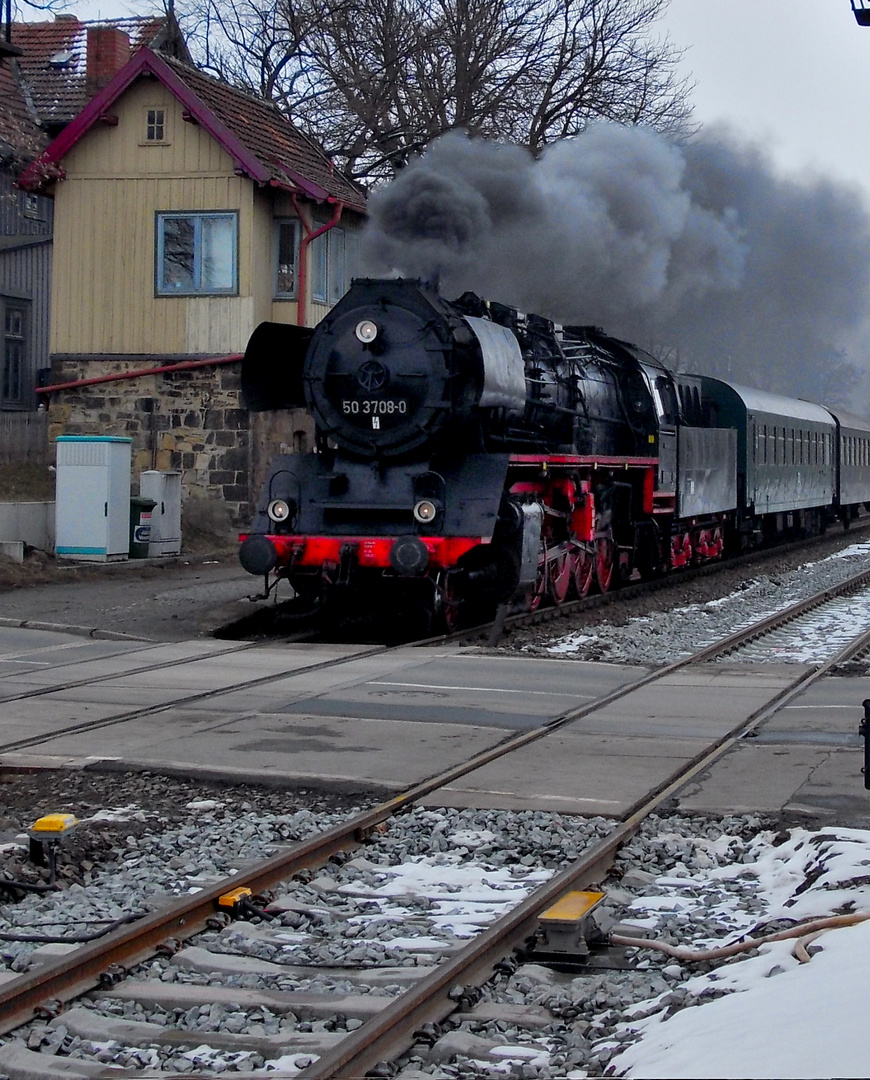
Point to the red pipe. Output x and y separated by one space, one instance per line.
310 235
182 365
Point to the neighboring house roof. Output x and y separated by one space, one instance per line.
21 137
262 142
54 58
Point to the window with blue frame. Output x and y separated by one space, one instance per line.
197 254
334 258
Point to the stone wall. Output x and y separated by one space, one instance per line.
188 421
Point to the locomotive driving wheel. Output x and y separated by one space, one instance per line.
604 560
536 592
584 572
559 577
447 601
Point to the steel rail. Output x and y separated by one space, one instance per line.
94 680
391 1031
165 706
635 589
131 944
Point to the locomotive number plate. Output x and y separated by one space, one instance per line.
374 407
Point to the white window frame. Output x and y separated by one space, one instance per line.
156 117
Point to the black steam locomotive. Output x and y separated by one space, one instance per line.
467 455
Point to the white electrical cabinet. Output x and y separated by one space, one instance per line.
92 508
165 489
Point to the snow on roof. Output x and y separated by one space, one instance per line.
54 56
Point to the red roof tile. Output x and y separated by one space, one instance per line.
54 57
263 143
287 156
21 137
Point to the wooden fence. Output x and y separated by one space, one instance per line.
24 438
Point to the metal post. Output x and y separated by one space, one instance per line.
864 732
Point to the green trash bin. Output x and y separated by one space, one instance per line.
140 526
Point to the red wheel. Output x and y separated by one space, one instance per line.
559 577
604 563
536 593
448 602
584 572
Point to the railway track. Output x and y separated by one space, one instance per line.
267 622
507 622
381 1031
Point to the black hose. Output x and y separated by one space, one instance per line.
27 886
74 939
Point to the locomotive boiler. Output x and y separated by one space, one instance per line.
468 454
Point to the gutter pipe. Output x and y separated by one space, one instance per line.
310 234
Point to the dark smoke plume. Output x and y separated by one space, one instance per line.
698 252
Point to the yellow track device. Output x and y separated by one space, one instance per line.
235 897
53 827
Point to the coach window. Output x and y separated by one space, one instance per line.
666 400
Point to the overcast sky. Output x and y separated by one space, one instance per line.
793 75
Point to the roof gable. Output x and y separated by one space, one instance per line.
262 143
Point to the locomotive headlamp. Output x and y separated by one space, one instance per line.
366 331
425 511
278 510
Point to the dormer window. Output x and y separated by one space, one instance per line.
155 126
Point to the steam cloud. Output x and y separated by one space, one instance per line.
699 252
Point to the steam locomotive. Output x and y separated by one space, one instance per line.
469 455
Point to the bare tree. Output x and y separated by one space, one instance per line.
376 80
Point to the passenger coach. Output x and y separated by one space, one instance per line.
852 464
786 474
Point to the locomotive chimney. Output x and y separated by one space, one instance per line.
107 52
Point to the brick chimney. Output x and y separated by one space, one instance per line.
108 52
